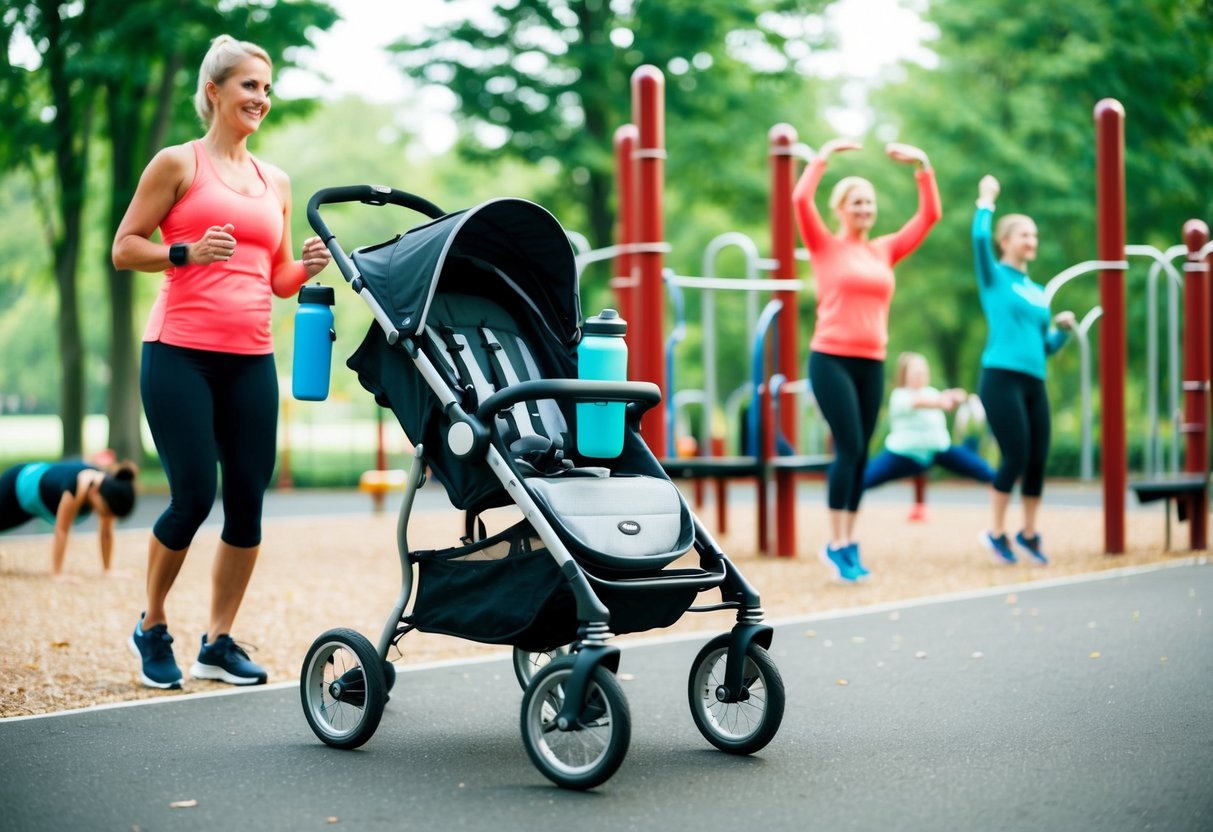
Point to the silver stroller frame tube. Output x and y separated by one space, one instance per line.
415 478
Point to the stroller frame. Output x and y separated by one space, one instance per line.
586 687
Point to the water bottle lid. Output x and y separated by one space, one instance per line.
317 293
606 322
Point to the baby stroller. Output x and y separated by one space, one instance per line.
477 321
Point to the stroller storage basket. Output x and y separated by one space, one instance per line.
505 589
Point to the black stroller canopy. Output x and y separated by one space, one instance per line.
518 241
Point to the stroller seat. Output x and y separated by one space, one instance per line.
615 519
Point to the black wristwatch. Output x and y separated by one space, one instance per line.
178 254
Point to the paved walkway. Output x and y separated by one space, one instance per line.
1083 704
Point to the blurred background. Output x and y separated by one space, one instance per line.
464 101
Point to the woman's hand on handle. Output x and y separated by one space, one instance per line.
906 154
315 256
988 189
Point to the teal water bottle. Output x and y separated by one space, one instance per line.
602 355
314 338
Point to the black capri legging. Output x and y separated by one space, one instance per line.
206 409
1017 408
848 392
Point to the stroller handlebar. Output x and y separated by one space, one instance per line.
368 195
644 394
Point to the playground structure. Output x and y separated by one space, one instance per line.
638 284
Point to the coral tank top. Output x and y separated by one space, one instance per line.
222 306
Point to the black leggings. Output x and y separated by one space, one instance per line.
1017 408
206 408
848 393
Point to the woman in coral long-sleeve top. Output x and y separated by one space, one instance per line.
854 280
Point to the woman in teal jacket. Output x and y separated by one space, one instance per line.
1021 336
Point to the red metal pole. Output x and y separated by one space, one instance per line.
1196 374
780 140
1110 208
624 282
648 112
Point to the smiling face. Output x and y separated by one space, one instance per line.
854 203
242 99
1018 239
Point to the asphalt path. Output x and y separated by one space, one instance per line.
1080 704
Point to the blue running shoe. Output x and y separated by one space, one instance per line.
154 649
226 661
839 561
1031 545
857 568
999 548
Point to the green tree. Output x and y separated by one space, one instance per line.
548 81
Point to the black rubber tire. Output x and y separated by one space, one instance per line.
736 727
349 719
608 730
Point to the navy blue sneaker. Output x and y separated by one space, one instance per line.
226 661
1031 545
857 568
839 560
999 548
154 649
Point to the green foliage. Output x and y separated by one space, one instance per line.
549 81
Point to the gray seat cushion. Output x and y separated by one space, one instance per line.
621 517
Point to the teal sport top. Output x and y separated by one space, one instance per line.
1021 336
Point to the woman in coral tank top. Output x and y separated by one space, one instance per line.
854 280
210 389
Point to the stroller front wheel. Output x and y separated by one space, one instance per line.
741 727
343 689
589 753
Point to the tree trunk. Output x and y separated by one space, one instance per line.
129 154
71 129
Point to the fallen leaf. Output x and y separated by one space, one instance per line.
331 820
842 682
183 804
1095 654
810 633
59 644
1163 659
1012 598
977 654
921 654
858 639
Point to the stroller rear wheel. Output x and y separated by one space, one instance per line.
528 663
741 727
589 753
343 689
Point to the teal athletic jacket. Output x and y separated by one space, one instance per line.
1021 335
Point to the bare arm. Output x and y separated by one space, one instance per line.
288 274
164 181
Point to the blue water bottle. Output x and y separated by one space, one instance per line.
602 355
314 338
